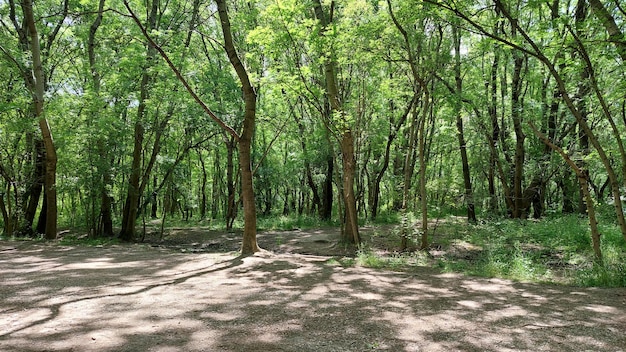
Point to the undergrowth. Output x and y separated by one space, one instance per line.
555 250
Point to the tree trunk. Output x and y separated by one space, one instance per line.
495 129
215 185
350 220
33 192
249 244
131 205
326 211
351 233
203 199
422 162
608 21
516 115
37 91
231 205
467 181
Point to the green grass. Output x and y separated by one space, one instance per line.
554 250
288 223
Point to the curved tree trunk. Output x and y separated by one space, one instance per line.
249 244
37 91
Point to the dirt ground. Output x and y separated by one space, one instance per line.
190 292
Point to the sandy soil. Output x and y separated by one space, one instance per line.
198 296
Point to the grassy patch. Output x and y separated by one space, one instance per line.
554 249
288 223
367 257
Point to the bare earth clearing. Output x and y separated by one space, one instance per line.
195 295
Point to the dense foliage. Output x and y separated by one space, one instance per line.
354 109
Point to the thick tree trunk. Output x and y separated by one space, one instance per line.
33 192
131 205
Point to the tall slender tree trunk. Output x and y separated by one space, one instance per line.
231 204
133 195
492 93
520 137
37 91
351 227
467 180
203 199
351 233
104 225
326 212
249 244
422 162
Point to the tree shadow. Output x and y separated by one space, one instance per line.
132 298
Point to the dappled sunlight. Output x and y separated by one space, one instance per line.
88 299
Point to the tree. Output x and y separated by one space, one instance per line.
35 80
244 139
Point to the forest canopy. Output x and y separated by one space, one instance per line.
116 110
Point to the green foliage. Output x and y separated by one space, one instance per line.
288 223
551 250
397 262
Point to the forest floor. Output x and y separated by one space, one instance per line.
191 292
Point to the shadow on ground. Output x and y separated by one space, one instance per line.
144 298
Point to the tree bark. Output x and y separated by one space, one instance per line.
231 204
351 233
37 91
249 244
608 21
467 180
131 205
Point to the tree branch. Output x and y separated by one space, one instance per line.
180 77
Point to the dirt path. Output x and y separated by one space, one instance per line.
143 298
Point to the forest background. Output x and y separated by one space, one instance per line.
343 112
